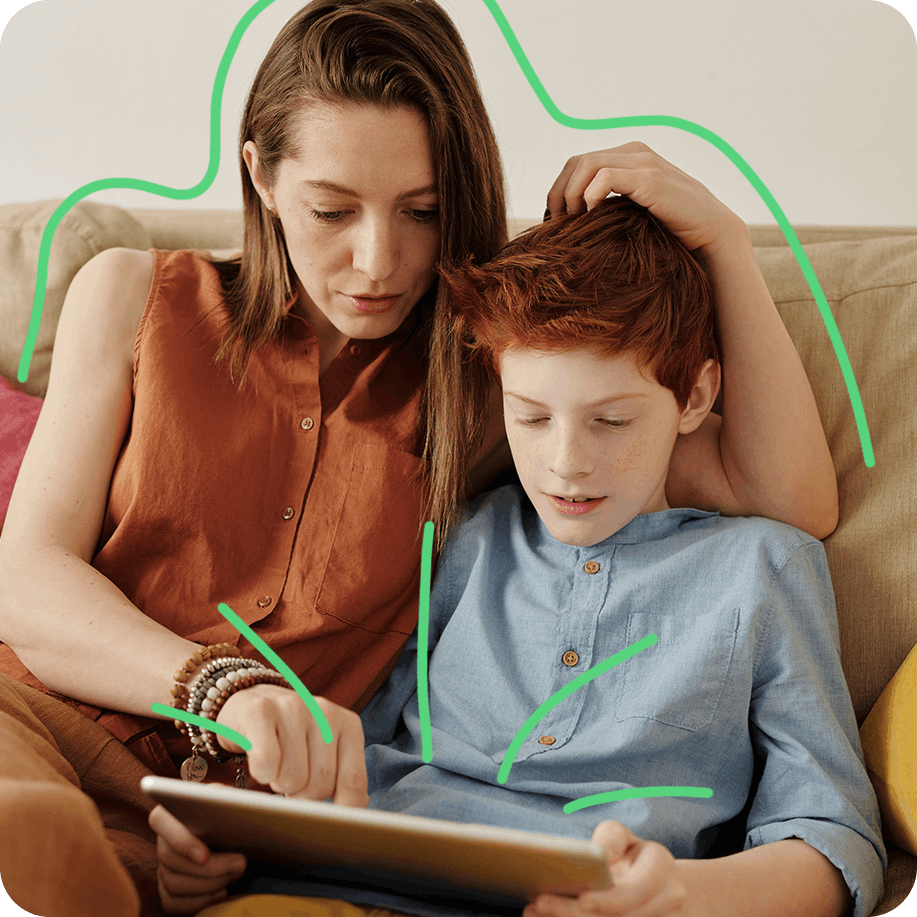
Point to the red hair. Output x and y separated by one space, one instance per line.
613 279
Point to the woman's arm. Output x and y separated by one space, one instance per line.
784 879
767 454
69 624
73 628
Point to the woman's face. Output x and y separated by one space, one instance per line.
360 212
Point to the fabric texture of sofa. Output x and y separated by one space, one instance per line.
869 277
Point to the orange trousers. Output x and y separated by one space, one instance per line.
75 840
74 837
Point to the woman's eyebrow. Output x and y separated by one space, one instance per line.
320 184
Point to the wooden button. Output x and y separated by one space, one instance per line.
288 513
265 602
547 740
307 423
570 658
591 566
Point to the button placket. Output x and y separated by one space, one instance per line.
575 648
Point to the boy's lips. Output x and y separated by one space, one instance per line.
571 508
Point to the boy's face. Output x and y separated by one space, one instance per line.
585 426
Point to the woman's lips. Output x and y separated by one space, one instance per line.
374 305
569 508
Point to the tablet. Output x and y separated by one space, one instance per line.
300 833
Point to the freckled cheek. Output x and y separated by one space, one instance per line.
632 465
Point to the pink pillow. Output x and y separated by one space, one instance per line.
18 413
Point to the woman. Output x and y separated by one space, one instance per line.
254 433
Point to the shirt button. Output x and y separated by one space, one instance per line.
288 513
265 601
355 349
570 658
307 423
547 740
591 566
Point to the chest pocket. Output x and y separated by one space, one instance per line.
680 680
372 572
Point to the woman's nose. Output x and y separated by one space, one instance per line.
375 250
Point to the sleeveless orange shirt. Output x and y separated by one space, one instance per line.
292 499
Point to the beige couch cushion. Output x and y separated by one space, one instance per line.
86 229
871 287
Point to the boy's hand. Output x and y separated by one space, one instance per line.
700 221
190 876
288 753
644 875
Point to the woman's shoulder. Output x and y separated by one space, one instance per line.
105 302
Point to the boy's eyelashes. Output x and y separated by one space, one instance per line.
615 423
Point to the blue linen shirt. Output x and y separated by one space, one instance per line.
742 693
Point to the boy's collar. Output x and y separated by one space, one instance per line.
643 528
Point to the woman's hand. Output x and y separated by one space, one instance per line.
190 876
288 753
700 221
645 880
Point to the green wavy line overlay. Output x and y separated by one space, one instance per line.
591 124
645 792
104 184
281 666
203 723
552 110
423 643
559 696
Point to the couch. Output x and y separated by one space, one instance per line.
869 276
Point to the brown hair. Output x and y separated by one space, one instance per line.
380 52
613 278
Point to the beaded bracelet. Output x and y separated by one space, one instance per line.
179 695
224 688
195 767
210 689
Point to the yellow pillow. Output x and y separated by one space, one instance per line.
889 737
291 906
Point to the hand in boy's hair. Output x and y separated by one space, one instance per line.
645 880
699 220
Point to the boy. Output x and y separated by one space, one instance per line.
600 330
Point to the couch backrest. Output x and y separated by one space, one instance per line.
869 277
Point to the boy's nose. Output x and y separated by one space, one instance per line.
375 250
570 459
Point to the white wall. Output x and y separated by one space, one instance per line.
819 96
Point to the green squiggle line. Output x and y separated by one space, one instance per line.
561 695
281 667
136 184
681 124
423 641
553 111
203 723
646 792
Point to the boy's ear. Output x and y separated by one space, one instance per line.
702 396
